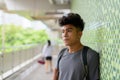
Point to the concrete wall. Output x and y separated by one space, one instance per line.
102 32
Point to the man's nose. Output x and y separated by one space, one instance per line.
65 34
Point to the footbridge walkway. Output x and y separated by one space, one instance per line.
20 63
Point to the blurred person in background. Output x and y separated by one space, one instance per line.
47 54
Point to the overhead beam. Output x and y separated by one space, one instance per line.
44 17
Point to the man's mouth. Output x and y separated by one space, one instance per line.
65 40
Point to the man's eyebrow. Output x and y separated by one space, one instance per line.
70 28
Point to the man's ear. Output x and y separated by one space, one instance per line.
80 33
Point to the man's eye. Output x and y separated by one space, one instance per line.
69 30
62 31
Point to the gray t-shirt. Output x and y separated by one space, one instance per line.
71 65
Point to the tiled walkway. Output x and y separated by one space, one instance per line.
39 74
35 72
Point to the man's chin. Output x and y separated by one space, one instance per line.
66 44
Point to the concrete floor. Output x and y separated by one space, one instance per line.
34 71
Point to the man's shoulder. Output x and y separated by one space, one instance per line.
62 50
92 52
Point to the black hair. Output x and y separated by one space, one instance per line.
49 42
73 19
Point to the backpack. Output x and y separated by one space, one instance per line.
84 58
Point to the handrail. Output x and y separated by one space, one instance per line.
9 60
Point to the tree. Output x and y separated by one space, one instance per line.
17 35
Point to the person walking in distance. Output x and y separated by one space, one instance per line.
76 61
47 53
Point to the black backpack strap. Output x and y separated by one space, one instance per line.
84 57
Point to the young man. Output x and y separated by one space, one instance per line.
70 66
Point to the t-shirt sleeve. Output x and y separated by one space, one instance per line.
93 62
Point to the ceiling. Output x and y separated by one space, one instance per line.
47 11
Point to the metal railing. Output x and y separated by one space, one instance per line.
11 61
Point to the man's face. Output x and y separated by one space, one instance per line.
70 35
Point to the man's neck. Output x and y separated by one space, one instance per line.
75 48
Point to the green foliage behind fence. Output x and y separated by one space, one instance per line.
17 35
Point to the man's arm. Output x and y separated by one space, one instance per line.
55 74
